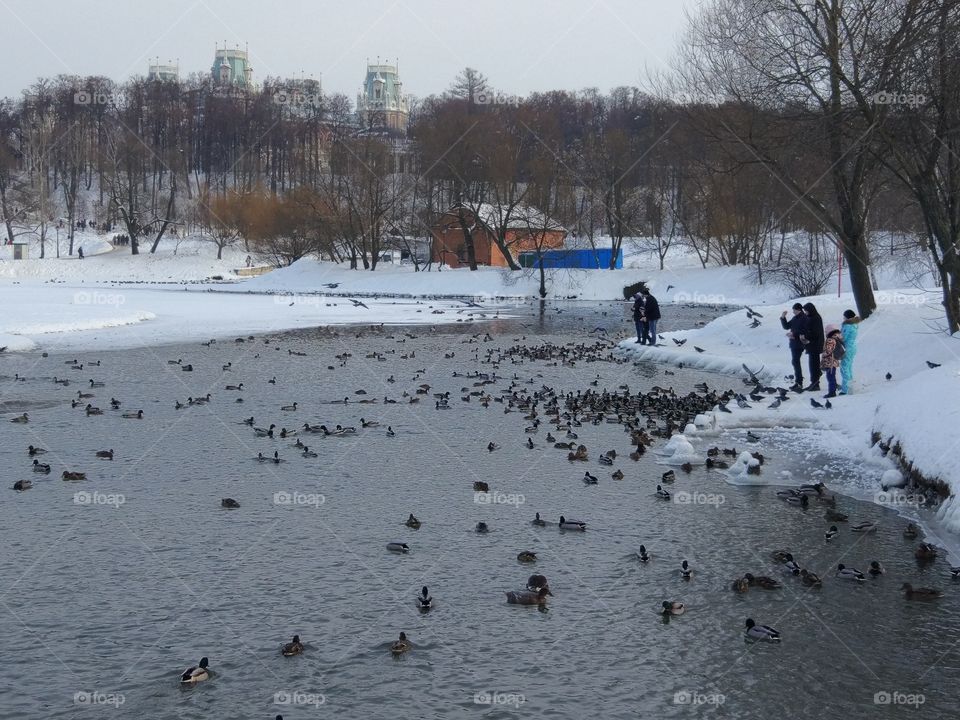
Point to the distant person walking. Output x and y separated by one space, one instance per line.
813 340
639 319
80 253
651 312
797 327
849 329
833 353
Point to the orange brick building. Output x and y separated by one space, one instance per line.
526 230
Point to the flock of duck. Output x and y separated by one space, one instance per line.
546 412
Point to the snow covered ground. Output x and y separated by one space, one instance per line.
918 407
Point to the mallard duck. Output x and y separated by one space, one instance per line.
686 572
175 362
398 547
97 384
31 451
22 485
662 494
91 410
67 475
412 522
590 479
424 601
717 464
481 527
260 432
672 608
105 454
864 527
810 579
289 408
762 581
492 446
911 531
815 489
187 368
81 395
528 597
369 423
401 646
925 552
849 573
669 476
922 593
617 475
196 674
761 633
526 556
21 419
115 404
538 521
876 569
390 432
740 585
791 565
605 460
294 647
40 467
229 503
308 453
480 486
834 516
831 533
234 387
571 524
642 554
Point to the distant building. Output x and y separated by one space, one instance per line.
381 102
163 72
231 67
526 229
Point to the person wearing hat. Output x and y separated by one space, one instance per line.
833 352
850 328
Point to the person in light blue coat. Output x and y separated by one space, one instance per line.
849 329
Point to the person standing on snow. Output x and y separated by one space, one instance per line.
849 329
80 253
797 326
833 353
639 319
651 312
813 340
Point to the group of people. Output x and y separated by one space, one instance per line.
646 314
828 348
120 240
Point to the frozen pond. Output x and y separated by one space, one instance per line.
115 584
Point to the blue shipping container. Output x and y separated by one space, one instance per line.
584 259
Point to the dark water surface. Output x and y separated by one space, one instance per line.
115 584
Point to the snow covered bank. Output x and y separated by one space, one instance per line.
917 407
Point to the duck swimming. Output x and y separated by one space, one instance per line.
524 597
849 573
229 503
40 467
390 432
911 531
831 533
662 494
762 581
760 633
21 419
412 522
740 585
482 527
398 547
537 583
864 527
686 572
105 454
401 646
922 593
672 608
31 451
538 521
925 552
198 673
571 524
876 569
526 556
294 647
138 415
810 579
424 601
590 479
642 554
22 485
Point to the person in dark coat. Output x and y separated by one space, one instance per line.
639 319
813 340
80 252
651 311
797 325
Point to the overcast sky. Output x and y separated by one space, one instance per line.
521 45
